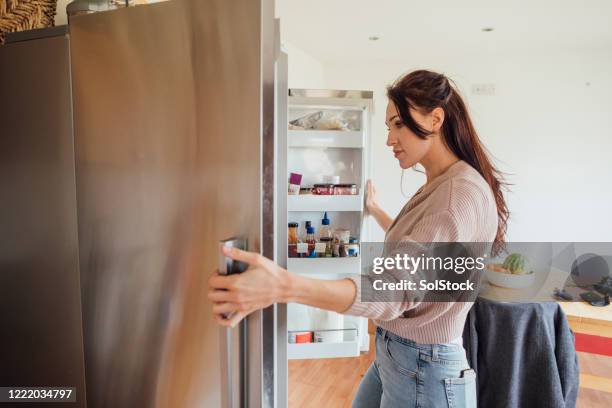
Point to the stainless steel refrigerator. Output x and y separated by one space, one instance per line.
131 142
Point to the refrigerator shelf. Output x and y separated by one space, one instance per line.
312 202
298 351
324 266
314 153
325 138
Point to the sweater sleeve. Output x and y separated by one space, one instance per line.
441 226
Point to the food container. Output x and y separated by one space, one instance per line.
342 235
295 179
353 247
294 337
305 190
345 189
292 235
323 189
303 337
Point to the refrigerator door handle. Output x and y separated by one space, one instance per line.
225 345
232 342
228 266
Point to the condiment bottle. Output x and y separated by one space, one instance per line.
325 231
328 246
292 236
310 240
292 240
306 225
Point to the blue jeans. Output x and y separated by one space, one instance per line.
408 374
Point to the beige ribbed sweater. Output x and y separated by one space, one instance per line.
457 206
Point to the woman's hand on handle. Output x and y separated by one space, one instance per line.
265 283
238 295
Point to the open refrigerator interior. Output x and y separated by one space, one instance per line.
327 149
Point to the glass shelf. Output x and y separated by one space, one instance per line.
313 202
325 138
318 266
347 347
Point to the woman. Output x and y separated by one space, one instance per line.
420 360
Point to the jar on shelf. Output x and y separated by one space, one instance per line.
345 189
336 249
323 189
329 242
292 240
342 252
292 235
342 235
352 248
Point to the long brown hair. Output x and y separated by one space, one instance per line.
424 91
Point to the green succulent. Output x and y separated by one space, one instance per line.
515 263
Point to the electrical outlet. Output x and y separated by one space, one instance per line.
483 89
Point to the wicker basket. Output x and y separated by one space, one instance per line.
19 15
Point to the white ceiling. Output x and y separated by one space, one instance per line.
338 30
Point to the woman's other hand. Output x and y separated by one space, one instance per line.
371 199
373 208
238 295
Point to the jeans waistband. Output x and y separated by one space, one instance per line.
411 343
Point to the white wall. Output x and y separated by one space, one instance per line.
305 71
549 126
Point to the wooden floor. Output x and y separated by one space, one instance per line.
332 383
329 382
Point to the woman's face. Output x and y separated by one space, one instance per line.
408 148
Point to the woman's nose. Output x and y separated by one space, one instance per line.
390 141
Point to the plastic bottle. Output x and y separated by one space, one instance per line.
307 224
310 240
310 235
325 231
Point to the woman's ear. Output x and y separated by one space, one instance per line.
437 119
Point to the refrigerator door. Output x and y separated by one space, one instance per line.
40 335
173 131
